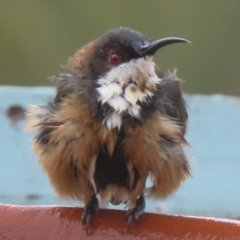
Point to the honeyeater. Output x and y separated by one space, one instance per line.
116 120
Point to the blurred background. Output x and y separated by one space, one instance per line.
36 37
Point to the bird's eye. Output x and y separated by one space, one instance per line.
115 59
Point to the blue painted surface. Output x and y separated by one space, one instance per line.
214 132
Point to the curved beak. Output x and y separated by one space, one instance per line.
152 47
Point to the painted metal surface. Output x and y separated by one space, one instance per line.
63 223
214 130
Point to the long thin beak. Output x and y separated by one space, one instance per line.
152 47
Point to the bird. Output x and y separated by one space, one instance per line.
116 120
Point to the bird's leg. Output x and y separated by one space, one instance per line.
137 211
89 210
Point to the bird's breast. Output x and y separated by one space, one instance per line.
125 87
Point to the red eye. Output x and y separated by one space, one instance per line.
115 59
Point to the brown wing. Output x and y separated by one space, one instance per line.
67 140
170 100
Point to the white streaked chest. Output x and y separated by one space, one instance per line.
124 86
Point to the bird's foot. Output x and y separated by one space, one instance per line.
89 210
136 212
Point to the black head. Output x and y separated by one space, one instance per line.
121 45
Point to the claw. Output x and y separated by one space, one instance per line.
136 212
89 210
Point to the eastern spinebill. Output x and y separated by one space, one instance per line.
116 120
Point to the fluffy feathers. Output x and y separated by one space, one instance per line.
110 127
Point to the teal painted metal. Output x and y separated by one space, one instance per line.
214 130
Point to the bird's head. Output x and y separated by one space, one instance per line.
118 73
